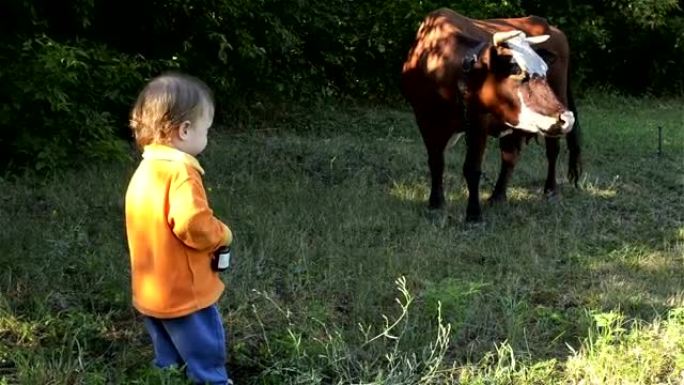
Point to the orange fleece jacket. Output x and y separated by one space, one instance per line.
172 234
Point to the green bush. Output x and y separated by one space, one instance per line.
66 102
631 46
69 71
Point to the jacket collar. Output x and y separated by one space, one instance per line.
162 152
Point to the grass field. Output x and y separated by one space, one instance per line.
344 277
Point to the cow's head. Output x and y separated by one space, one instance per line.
508 78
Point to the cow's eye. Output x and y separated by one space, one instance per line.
517 73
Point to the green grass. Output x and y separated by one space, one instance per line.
343 276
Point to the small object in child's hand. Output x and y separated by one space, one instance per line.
221 260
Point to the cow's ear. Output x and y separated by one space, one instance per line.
469 62
473 57
546 55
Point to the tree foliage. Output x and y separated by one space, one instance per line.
69 69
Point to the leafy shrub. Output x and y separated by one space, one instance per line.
68 71
65 102
633 46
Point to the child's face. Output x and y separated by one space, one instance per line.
193 135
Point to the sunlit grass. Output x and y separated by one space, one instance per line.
599 192
415 192
521 194
619 352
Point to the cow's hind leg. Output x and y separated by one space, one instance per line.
436 134
472 170
436 163
552 150
510 153
435 143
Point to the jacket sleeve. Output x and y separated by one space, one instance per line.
191 219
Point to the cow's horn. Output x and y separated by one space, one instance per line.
500 37
537 39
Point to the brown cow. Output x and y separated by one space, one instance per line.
482 77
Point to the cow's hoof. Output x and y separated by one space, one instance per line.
438 218
496 199
473 218
436 204
552 196
474 224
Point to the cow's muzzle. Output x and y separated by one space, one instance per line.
564 124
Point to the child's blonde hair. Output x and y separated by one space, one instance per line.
166 102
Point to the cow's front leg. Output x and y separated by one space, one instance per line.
435 136
472 169
552 150
510 153
436 164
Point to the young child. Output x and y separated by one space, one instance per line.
172 233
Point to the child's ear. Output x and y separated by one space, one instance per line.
183 130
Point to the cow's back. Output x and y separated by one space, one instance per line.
433 65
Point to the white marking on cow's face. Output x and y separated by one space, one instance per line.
523 54
531 121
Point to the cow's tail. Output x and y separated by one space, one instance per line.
574 143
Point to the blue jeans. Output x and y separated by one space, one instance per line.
196 341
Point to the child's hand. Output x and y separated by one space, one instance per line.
221 260
228 238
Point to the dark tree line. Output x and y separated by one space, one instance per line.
69 69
